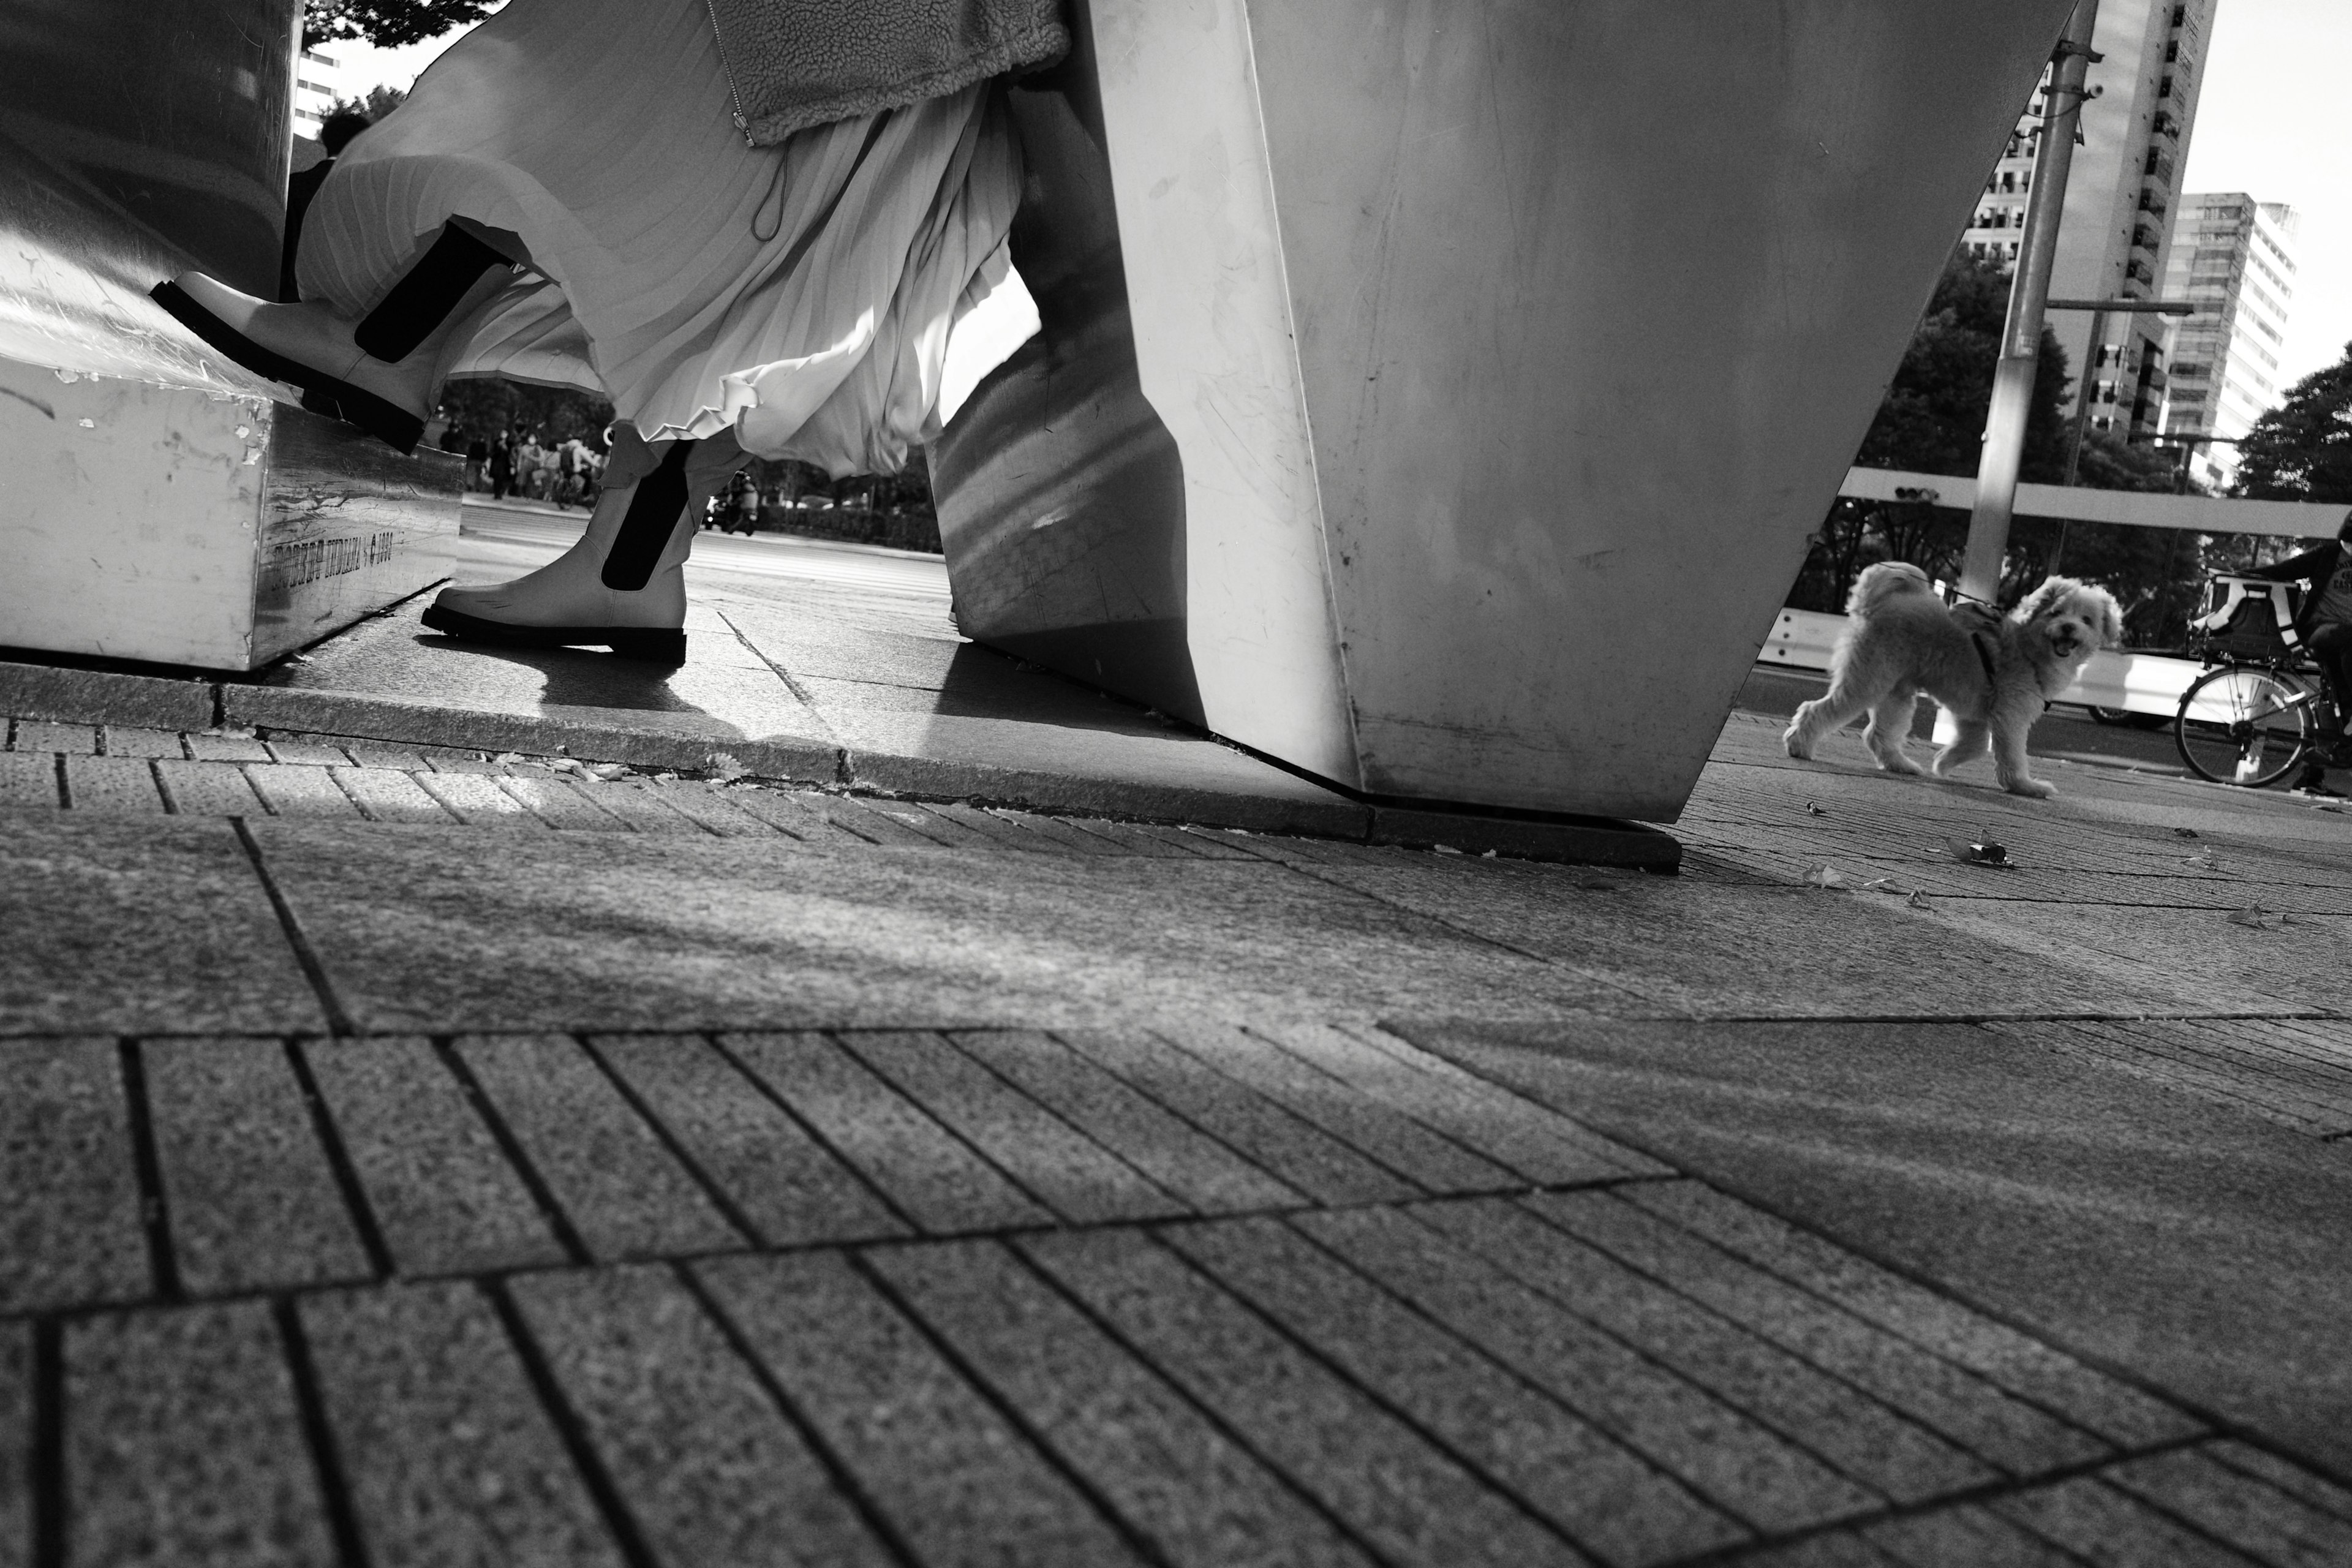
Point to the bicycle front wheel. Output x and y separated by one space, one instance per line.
2243 725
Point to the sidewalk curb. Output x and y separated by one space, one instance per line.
107 697
66 696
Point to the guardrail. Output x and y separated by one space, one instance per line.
2137 509
2139 682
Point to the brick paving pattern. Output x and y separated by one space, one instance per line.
1189 1289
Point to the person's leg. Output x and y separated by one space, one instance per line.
622 585
2331 645
379 373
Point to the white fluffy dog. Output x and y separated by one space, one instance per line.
1994 673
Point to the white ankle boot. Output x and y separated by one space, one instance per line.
377 372
622 585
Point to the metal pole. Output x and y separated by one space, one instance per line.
2091 352
2021 336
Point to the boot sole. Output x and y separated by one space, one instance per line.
653 645
322 393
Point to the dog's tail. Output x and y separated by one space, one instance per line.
1885 581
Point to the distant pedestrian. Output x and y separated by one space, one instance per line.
477 453
501 466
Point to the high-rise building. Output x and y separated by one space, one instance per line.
2115 233
2234 257
318 82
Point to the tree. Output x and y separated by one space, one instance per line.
373 105
2301 450
1932 421
387 24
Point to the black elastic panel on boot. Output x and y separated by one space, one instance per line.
426 294
646 526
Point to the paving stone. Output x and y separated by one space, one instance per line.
1067 835
622 1193
1407 1500
15 1445
444 933
28 779
456 759
1291 1150
476 799
1181 1159
787 814
2242 1080
2105 1526
1968 1536
1836 1548
928 1173
964 827
1726 1457
1608 1500
207 789
1130 838
124 785
1864 1439
949 1475
926 825
122 925
2315 1491
1193 841
1992 1349
709 1468
1947 1399
446 1452
376 754
783 1183
70 1232
1374 1130
182 1445
46 691
303 791
310 753
384 795
1198 1497
1064 1169
874 821
215 747
1538 1143
130 741
2267 1523
639 806
444 1197
555 801
249 1198
31 735
716 810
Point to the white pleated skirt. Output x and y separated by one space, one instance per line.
801 295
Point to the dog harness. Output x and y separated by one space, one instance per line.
1984 656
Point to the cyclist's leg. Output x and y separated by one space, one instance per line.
2331 645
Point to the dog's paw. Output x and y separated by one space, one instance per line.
1795 745
1899 764
2037 789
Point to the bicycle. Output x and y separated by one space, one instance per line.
2261 706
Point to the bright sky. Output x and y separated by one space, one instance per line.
2270 123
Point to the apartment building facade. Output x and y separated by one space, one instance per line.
2234 257
2115 236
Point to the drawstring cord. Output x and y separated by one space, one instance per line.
775 194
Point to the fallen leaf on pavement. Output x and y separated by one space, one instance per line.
726 766
2254 915
1813 810
2203 860
1917 901
1828 876
2184 833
